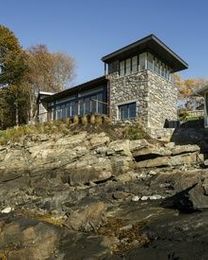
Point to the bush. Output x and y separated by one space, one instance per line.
134 131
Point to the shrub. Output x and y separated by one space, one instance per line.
134 131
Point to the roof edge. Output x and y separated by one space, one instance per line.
76 87
143 40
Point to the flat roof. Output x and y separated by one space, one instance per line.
70 91
154 45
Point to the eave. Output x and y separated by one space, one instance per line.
153 44
74 90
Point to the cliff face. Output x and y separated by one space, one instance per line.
86 195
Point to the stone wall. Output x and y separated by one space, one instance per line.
162 101
155 97
127 89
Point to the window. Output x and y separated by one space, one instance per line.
58 112
81 107
162 70
113 67
156 66
100 103
63 111
68 111
128 66
142 61
150 61
127 111
74 108
87 106
94 104
122 68
134 64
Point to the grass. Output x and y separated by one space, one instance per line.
96 124
15 134
126 237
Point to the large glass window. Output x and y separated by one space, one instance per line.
127 111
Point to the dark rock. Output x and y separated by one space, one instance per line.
181 201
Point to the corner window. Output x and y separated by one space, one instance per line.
156 66
150 61
127 111
142 61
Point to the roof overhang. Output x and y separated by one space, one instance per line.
153 44
70 91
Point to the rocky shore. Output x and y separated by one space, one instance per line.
88 196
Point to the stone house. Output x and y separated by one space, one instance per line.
137 84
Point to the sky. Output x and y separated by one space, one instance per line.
90 29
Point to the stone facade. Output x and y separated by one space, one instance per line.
127 89
154 95
162 104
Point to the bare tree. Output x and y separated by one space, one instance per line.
48 71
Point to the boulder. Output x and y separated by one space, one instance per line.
164 161
89 218
135 145
180 149
190 190
150 151
87 175
181 201
99 140
121 164
121 147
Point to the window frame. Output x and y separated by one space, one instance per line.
127 105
